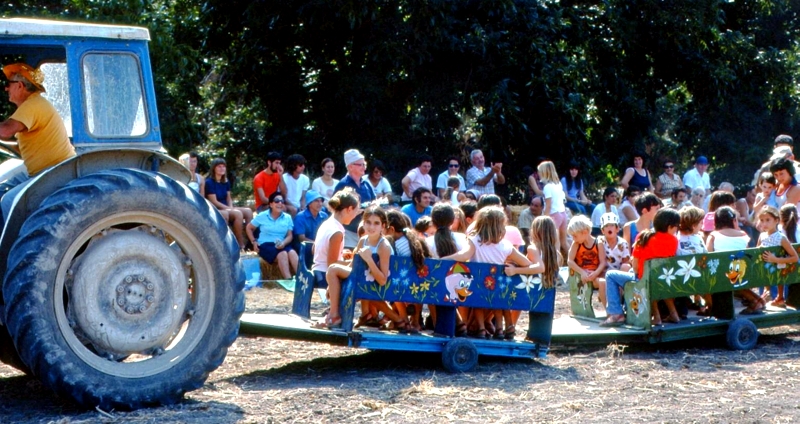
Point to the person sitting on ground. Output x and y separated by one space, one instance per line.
573 187
196 181
218 192
41 136
307 223
268 181
325 183
609 205
526 217
416 178
646 207
638 175
375 178
627 209
585 257
658 242
420 206
275 236
442 183
698 175
698 196
667 182
678 199
297 184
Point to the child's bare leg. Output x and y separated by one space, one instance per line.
673 313
779 298
515 317
432 313
293 261
479 316
656 320
336 273
600 285
388 311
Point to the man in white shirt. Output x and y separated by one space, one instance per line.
297 184
481 178
416 178
698 176
453 166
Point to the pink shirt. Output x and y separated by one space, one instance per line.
491 253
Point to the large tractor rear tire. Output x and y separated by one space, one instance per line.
124 290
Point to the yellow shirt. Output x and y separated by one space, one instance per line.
45 143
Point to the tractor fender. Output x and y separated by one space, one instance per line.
83 164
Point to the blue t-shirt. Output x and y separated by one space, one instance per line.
307 225
219 189
412 213
272 229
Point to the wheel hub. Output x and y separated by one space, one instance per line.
128 293
135 294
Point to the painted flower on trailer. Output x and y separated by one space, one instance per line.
529 282
687 270
489 283
414 289
403 272
712 266
423 272
668 276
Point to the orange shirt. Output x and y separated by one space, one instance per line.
660 245
267 182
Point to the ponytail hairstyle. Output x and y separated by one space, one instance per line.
443 217
544 235
789 221
452 184
343 199
724 217
402 224
664 219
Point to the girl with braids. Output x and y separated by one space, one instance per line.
658 242
768 219
407 242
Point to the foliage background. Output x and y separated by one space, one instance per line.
591 81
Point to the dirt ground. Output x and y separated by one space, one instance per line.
268 380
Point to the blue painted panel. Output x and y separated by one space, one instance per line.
451 283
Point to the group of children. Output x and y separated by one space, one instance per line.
388 232
605 263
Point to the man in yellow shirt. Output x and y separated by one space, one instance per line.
41 137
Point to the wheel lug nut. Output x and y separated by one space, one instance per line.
120 288
150 286
150 298
128 279
129 309
140 278
142 308
120 302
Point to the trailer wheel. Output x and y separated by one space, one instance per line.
459 355
123 290
742 334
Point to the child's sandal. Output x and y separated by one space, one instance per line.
510 332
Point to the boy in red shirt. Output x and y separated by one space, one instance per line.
659 242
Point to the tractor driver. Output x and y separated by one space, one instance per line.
41 137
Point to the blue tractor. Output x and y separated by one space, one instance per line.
122 286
